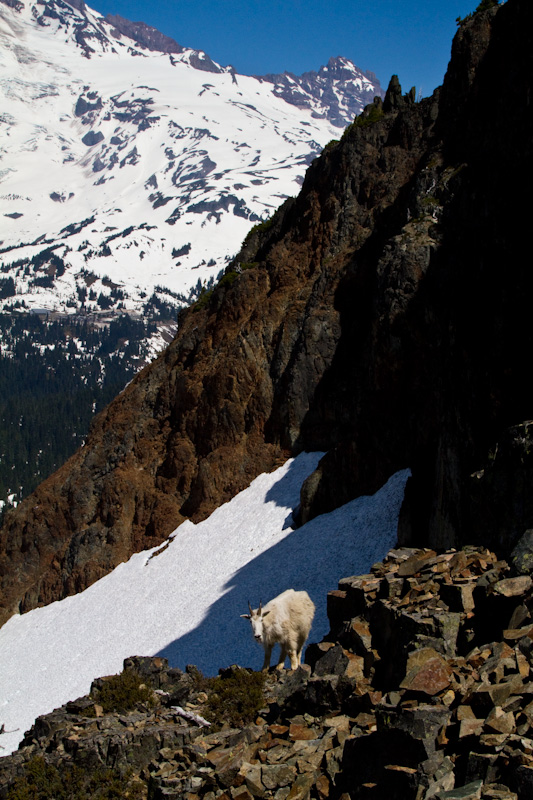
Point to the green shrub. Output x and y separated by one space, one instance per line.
429 202
236 698
228 279
486 4
203 300
122 692
330 145
483 6
259 228
42 781
371 114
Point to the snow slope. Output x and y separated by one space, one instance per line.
183 599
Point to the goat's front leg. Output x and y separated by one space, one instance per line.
266 662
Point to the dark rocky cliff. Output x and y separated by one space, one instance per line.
437 365
382 316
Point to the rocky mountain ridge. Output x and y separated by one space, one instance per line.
373 318
421 689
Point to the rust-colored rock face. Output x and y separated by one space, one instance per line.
381 316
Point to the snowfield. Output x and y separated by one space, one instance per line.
182 600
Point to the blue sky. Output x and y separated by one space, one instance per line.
410 38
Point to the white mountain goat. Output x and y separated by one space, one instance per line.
285 620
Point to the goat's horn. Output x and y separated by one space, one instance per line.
259 606
250 607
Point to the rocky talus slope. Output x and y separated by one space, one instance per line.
422 689
382 316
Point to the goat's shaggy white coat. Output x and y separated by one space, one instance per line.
286 620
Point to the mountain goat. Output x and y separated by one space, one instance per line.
285 620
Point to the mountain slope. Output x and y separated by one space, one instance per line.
186 597
371 318
132 166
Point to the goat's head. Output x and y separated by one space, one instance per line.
256 620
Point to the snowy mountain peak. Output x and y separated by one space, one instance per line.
131 167
338 91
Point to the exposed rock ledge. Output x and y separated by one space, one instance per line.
423 688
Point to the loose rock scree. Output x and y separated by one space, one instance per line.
286 620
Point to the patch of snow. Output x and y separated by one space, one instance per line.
183 601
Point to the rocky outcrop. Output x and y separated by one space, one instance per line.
79 5
144 34
422 689
382 316
16 4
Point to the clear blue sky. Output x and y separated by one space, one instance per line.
411 38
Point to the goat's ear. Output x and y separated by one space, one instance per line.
246 616
265 613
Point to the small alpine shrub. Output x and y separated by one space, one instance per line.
483 6
122 692
259 228
486 4
203 300
371 113
42 781
368 117
236 698
228 279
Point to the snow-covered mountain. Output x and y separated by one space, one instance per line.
131 167
183 599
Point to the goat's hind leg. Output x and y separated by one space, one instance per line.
294 659
301 643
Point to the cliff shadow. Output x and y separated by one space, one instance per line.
314 557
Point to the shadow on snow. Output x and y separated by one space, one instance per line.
345 542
